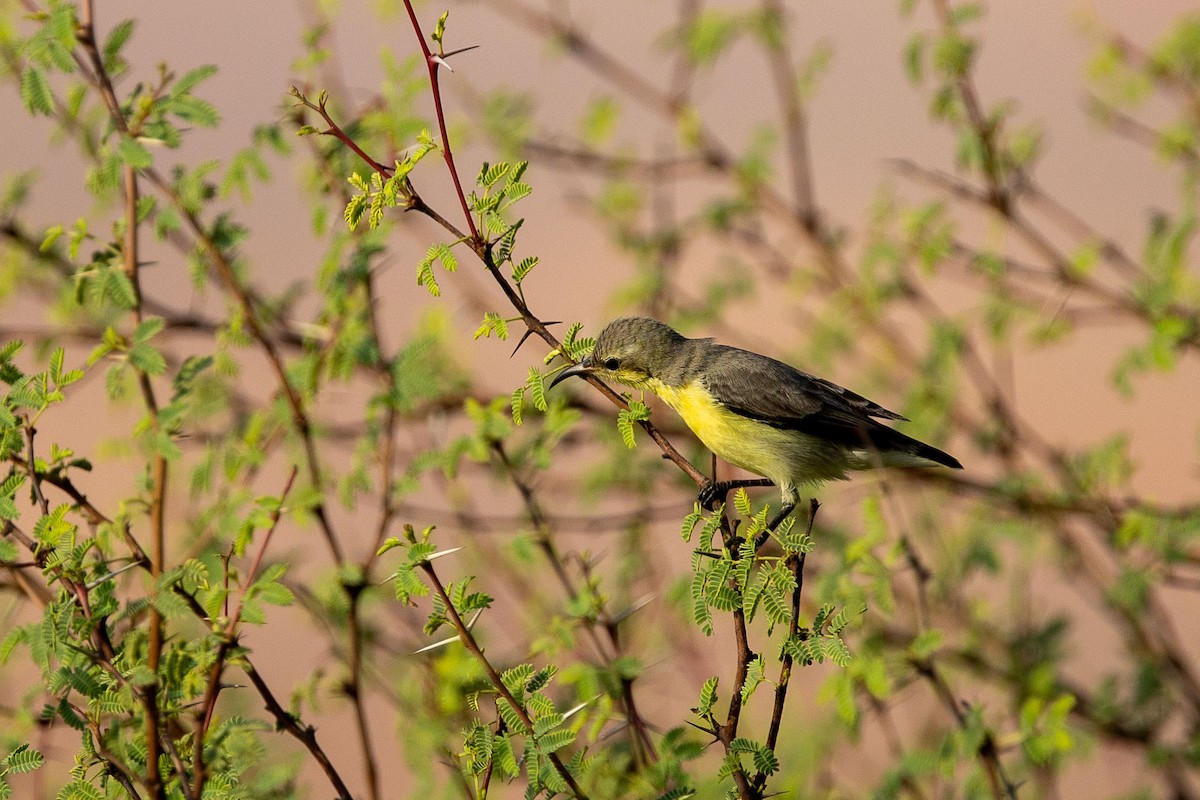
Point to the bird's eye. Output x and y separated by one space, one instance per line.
611 363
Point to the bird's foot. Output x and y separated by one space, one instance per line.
713 493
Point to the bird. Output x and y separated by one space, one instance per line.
752 411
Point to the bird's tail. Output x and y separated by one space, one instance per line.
894 449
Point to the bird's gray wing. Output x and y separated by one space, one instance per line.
782 396
868 407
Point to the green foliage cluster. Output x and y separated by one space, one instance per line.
525 664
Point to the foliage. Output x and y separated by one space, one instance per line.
527 663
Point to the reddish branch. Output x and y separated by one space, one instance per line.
87 39
229 639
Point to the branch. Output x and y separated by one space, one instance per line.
305 734
796 562
87 39
433 63
229 638
1002 787
640 739
468 640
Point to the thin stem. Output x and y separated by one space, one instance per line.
795 562
795 124
728 731
468 640
208 704
1002 787
433 64
532 322
640 738
355 691
305 734
87 39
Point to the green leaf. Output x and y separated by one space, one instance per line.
708 35
23 759
626 419
555 741
741 501
600 120
490 175
147 359
492 323
274 593
678 793
914 58
116 40
56 364
925 644
518 404
502 748
132 152
765 761
118 288
965 13
625 426
50 238
439 29
540 679
744 745
776 605
524 268
355 209
537 389
708 697
546 722
35 92
78 790
194 110
148 328
756 672
193 78
188 372
502 250
689 522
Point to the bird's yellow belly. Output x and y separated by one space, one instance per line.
787 457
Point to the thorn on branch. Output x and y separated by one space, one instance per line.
529 332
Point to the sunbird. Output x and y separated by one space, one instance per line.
754 412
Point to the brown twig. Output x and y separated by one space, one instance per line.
795 122
305 734
643 746
87 40
208 703
989 756
795 561
468 640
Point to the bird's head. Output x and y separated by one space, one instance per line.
630 350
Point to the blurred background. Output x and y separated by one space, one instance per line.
979 216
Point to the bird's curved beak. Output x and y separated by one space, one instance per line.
582 368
